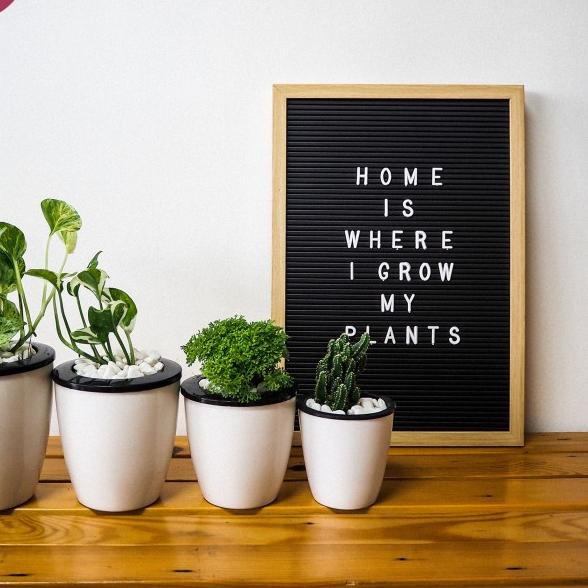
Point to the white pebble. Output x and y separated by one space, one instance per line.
146 368
367 402
204 383
381 403
134 372
338 412
158 366
326 408
10 359
114 367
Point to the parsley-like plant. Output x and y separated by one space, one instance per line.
240 358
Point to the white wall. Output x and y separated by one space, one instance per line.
154 119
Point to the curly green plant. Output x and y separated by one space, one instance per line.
239 358
336 372
17 322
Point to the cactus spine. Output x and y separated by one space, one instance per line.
336 372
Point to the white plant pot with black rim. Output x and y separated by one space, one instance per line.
345 455
117 435
239 451
25 412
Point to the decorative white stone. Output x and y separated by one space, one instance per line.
381 403
338 412
118 370
204 383
146 369
134 372
367 402
326 408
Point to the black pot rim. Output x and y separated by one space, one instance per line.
391 407
45 355
65 376
191 390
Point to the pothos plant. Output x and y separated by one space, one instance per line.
240 358
18 324
110 319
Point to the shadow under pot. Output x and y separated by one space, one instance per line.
345 455
239 451
117 435
25 413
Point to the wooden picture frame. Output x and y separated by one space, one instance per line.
515 96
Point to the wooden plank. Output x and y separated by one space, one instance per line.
402 466
284 564
534 443
396 496
28 528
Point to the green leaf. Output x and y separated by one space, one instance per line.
10 321
73 286
88 336
7 277
93 279
46 275
94 261
127 322
60 216
12 241
70 240
106 320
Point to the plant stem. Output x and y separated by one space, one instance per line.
44 297
22 295
122 346
84 323
131 348
21 310
71 345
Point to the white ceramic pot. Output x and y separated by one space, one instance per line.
25 413
239 452
117 435
345 455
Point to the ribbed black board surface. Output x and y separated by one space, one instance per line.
444 387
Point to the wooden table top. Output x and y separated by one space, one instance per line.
445 517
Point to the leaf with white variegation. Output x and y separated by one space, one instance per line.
88 336
10 321
48 276
106 320
12 242
63 220
127 322
93 279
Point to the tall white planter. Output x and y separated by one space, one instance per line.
239 452
345 455
25 412
117 435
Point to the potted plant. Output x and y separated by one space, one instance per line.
239 411
116 404
345 436
25 365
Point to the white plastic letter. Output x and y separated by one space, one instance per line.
410 178
361 175
352 237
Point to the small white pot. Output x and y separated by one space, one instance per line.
25 412
117 435
239 452
345 455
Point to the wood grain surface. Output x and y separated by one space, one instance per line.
446 517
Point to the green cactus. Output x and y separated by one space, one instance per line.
336 372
